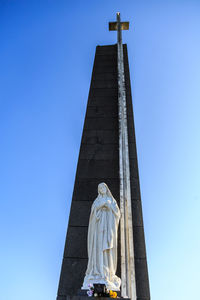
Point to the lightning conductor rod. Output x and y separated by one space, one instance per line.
128 285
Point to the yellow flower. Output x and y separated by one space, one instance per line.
111 293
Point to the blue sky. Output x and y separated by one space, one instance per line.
46 57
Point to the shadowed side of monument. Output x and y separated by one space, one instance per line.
98 162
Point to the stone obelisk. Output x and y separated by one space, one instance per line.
108 154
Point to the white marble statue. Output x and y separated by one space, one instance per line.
102 241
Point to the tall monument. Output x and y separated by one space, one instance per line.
108 154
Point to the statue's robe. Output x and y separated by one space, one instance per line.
102 243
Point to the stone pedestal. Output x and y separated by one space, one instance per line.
84 293
90 298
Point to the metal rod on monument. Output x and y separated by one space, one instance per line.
128 286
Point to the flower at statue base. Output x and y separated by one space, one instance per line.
90 285
112 294
90 293
91 290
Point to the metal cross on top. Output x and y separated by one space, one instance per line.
119 26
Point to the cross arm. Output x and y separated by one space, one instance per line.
113 26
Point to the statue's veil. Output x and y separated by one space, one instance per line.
108 192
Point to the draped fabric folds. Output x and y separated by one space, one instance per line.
102 241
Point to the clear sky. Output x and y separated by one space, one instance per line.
46 56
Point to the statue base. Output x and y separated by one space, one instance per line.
84 293
87 298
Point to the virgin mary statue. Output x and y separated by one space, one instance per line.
102 241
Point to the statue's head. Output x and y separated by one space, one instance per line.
102 188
